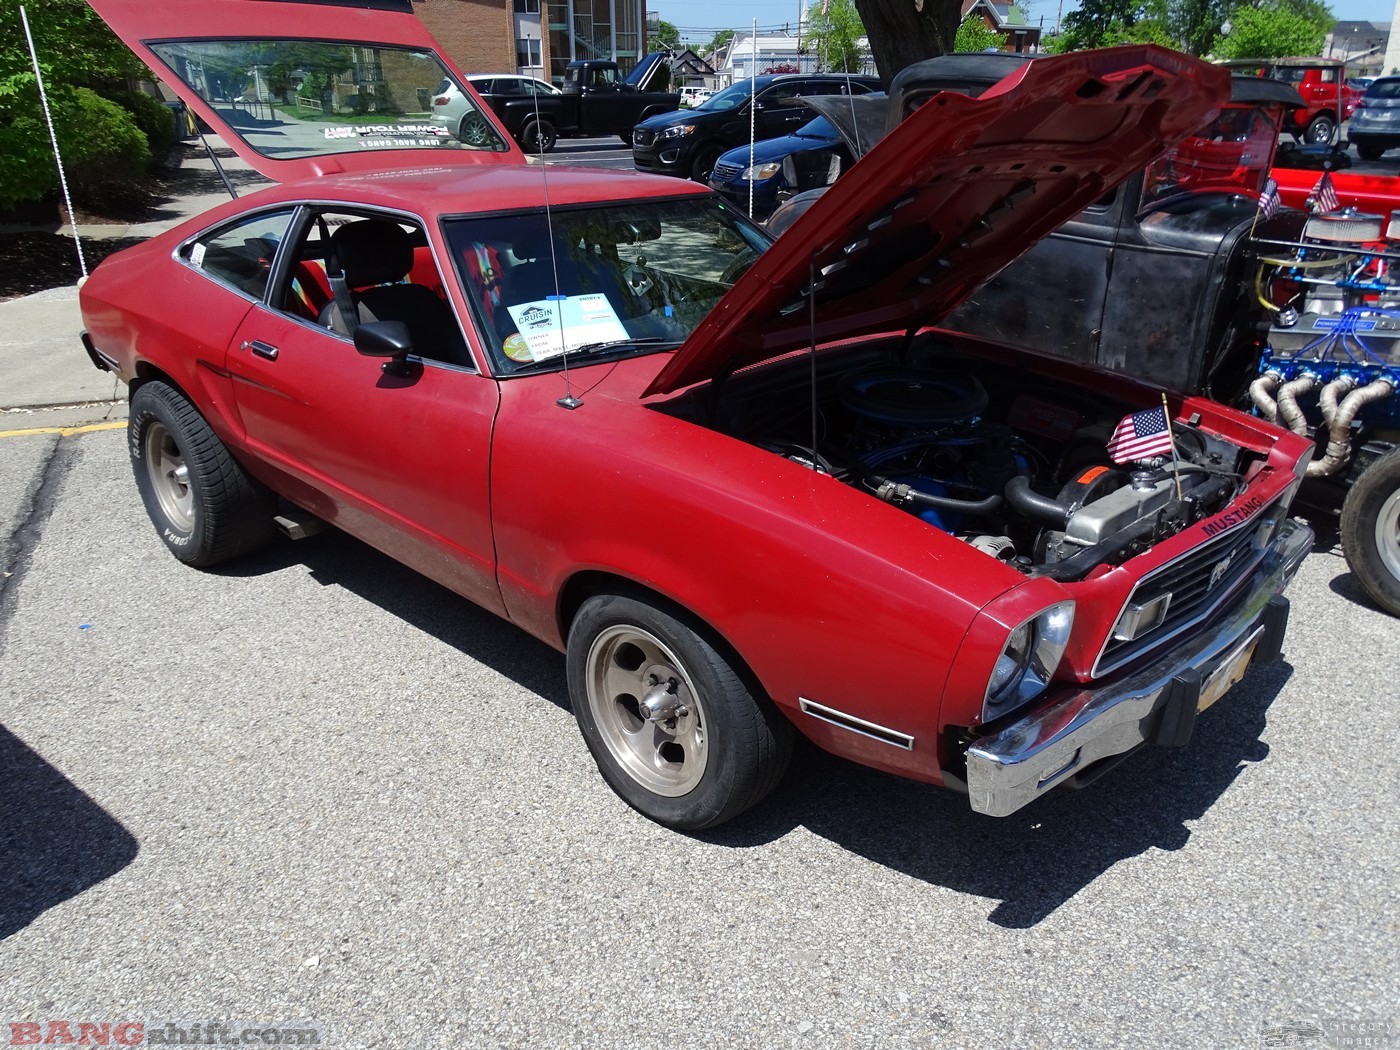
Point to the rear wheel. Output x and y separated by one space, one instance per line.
205 507
1320 130
538 136
1369 152
1370 530
474 130
674 729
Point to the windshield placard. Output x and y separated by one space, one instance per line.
552 327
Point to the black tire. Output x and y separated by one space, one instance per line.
1320 130
538 136
626 137
1369 152
475 130
204 506
704 162
1370 531
723 749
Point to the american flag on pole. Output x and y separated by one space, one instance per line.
1324 194
1140 435
1268 200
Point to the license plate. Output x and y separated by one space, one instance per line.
1230 671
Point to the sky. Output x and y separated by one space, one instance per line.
698 22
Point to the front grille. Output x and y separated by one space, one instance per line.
725 172
1199 582
643 137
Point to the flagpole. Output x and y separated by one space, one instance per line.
53 137
1176 469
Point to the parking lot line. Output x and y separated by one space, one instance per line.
63 431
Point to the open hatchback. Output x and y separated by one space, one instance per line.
308 87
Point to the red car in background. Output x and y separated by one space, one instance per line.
1328 97
743 485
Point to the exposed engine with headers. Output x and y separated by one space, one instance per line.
1021 475
1332 363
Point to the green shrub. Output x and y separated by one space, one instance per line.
104 152
152 116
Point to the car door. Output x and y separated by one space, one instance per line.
401 461
777 110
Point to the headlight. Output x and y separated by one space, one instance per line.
759 172
677 131
1030 656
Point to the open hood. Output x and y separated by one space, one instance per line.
947 198
308 87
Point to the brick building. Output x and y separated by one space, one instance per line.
538 37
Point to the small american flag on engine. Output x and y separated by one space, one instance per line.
1140 435
1324 194
1268 200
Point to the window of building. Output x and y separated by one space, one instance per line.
528 53
527 7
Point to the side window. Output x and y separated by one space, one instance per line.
389 274
483 87
507 86
241 254
779 96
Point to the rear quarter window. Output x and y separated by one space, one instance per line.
241 253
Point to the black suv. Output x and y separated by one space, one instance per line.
687 142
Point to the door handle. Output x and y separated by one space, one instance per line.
260 348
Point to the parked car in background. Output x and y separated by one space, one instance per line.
1328 98
772 170
594 99
600 420
692 95
689 142
1375 124
451 110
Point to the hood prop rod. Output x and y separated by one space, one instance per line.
218 166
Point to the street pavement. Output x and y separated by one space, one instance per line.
313 788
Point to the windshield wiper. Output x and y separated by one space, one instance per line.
613 344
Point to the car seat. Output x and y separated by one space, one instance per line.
375 257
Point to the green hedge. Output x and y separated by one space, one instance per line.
105 152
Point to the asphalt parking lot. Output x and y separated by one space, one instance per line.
314 787
313 791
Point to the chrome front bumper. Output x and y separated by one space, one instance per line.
1063 739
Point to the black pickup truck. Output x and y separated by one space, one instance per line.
595 99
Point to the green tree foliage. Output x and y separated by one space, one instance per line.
81 60
1264 30
835 36
666 38
721 39
975 35
1271 32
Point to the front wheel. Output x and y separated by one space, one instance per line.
1320 130
204 506
675 731
1371 531
704 163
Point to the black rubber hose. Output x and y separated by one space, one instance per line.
1032 504
967 506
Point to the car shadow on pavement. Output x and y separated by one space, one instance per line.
56 841
337 559
1039 858
1032 862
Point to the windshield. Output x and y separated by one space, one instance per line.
1232 153
289 99
598 280
730 98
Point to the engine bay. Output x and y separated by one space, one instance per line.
1011 463
1331 366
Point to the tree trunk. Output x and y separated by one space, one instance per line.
902 32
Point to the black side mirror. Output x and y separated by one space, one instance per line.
385 339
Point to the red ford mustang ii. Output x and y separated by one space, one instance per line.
743 484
